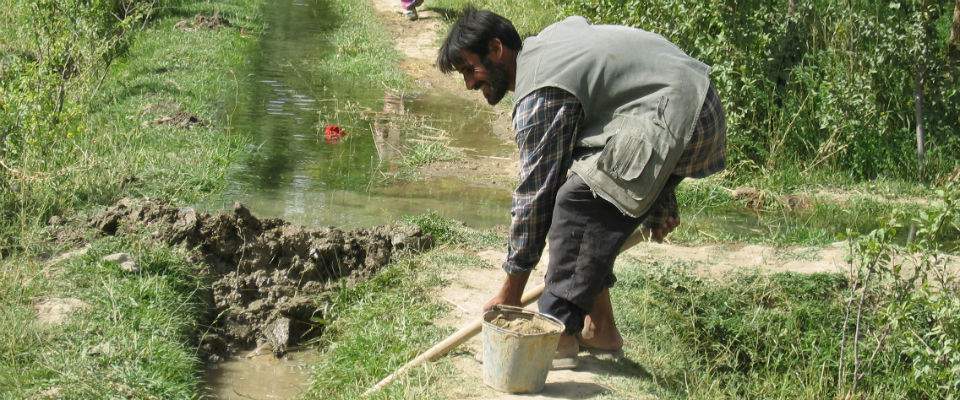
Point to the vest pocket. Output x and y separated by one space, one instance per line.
627 153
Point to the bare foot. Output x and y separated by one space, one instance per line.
599 328
600 336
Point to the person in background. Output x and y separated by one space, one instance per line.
410 8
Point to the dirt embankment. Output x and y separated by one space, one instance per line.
269 278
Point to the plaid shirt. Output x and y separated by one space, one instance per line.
547 122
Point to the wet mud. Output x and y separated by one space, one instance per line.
201 21
180 119
523 324
269 278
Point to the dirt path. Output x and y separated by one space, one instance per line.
418 41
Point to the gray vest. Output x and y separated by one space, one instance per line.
641 96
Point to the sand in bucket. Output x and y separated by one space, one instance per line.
518 347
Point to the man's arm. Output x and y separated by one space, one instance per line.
546 122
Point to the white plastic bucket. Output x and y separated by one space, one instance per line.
515 362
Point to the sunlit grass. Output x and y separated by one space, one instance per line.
378 326
130 340
135 339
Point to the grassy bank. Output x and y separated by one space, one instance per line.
120 128
886 330
715 211
387 321
379 326
127 336
124 129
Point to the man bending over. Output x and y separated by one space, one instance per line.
608 120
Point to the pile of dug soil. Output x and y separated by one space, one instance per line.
269 277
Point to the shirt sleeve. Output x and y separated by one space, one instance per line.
546 123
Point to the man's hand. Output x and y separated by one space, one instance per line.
661 232
510 292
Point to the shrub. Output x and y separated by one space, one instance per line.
819 83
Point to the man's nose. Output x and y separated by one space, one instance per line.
470 81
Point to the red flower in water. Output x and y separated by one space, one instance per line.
333 133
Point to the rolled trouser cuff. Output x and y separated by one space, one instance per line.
570 314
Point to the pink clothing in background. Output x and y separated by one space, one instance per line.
410 4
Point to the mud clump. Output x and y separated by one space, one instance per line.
269 278
180 119
201 21
523 324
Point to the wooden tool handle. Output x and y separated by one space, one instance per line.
451 342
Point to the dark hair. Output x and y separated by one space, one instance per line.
473 32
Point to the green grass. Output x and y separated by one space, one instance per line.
131 341
118 151
362 50
748 336
709 214
135 340
449 231
378 326
382 323
529 17
418 155
780 336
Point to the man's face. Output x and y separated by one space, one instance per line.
484 75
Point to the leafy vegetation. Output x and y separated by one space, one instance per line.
821 83
82 94
814 84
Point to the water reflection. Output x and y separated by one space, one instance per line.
293 173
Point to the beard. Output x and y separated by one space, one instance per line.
497 80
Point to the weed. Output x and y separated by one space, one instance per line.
449 231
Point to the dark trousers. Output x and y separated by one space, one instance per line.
585 237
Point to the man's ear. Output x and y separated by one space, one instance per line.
496 50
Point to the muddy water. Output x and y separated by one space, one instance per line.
293 173
261 376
